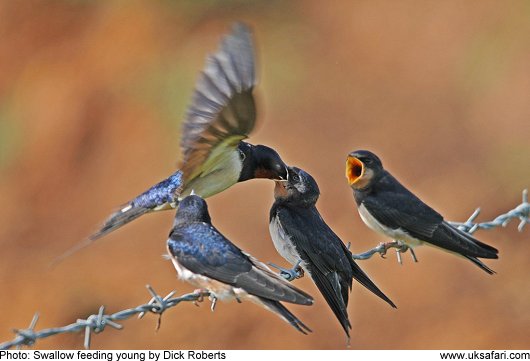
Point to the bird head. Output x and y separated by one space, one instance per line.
361 168
262 162
299 187
192 209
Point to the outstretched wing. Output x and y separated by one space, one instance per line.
222 112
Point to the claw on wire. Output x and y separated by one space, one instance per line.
200 292
290 274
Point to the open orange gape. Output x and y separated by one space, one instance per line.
354 170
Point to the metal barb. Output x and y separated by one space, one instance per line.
28 334
214 302
398 254
97 322
86 344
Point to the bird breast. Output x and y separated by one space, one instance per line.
282 241
221 176
396 234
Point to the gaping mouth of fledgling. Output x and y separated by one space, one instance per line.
354 170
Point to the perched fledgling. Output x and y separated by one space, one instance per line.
205 258
302 237
389 208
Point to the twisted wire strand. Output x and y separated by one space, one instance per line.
97 323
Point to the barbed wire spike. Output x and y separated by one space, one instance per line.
28 333
524 210
97 323
214 302
398 255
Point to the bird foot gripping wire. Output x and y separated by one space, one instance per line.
383 247
402 248
290 274
201 293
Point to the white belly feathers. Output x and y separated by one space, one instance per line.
395 234
282 242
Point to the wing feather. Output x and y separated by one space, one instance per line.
222 106
398 208
203 250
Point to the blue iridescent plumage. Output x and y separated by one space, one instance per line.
160 194
163 195
205 244
207 259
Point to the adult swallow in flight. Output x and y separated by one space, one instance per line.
302 237
205 258
389 208
215 157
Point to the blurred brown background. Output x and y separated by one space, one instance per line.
91 99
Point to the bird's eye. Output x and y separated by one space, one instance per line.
367 161
296 178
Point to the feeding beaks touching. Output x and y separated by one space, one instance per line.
269 164
260 161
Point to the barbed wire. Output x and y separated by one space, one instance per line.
522 212
97 323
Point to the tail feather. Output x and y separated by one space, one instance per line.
285 314
331 289
118 219
363 279
463 243
481 265
161 196
115 221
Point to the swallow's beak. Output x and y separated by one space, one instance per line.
354 169
284 175
288 174
280 190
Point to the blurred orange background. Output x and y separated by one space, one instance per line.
91 100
